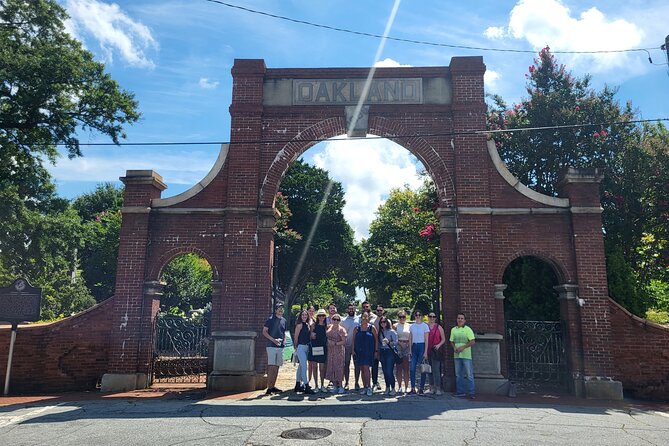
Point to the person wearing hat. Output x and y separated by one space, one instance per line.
319 348
274 331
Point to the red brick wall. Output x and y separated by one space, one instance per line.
640 351
70 354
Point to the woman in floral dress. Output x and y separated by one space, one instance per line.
336 335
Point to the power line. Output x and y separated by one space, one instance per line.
373 137
413 41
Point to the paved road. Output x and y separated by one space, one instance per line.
255 419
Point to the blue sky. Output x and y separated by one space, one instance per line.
176 55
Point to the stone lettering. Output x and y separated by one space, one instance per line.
348 91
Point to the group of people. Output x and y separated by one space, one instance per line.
325 343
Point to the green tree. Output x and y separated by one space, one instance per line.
399 262
100 211
635 159
530 295
187 284
331 251
49 88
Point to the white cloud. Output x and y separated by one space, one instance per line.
368 170
550 22
207 84
113 29
494 32
388 62
490 79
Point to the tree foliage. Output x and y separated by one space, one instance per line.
50 87
530 295
330 255
399 262
187 284
598 134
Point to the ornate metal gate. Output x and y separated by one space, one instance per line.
181 349
536 353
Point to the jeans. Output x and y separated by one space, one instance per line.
417 351
375 371
436 373
388 364
301 373
464 375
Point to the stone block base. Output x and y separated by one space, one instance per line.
232 383
123 382
492 386
603 389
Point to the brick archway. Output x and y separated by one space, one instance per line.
439 114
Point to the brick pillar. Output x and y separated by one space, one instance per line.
570 315
450 289
472 186
581 186
133 312
246 291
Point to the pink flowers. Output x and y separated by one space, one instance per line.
531 68
416 210
577 108
429 232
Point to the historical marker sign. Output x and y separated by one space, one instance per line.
20 302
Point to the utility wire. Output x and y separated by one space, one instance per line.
373 137
416 42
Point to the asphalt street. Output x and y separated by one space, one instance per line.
256 419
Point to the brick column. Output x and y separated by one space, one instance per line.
246 291
450 288
133 312
581 186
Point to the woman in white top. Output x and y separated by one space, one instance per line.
402 367
418 335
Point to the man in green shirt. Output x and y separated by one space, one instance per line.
462 339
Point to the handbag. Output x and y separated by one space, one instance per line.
397 356
425 367
317 351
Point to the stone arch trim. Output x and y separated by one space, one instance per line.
168 256
561 272
387 128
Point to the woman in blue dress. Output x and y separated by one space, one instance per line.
365 349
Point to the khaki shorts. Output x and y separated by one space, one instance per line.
275 356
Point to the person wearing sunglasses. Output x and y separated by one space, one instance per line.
435 340
303 337
403 343
319 349
387 339
336 335
375 363
418 333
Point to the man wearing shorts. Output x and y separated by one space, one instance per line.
274 331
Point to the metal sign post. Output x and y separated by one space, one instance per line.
9 359
19 302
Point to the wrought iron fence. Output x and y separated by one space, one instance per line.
536 353
181 349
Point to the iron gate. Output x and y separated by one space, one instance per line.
181 349
536 353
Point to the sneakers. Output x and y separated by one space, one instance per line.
323 389
391 392
472 397
460 395
420 391
346 387
334 390
412 391
369 391
377 386
357 386
438 392
308 390
272 390
341 391
298 388
363 391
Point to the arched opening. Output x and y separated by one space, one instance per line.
360 177
181 339
535 334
